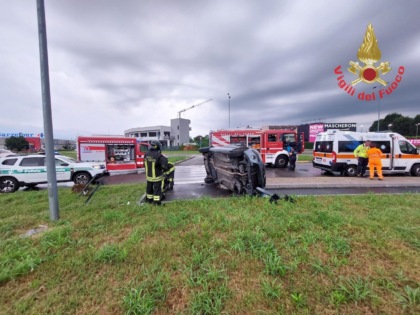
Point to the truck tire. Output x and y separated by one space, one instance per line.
82 178
9 185
281 161
351 171
415 170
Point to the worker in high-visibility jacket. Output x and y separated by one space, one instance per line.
374 155
362 158
155 164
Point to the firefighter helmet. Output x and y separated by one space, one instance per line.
155 145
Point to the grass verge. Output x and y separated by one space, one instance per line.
239 255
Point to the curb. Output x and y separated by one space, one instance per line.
331 182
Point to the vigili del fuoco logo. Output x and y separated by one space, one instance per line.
368 72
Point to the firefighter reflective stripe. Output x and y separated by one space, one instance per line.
171 169
150 167
155 179
155 164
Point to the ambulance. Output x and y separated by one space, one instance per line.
333 152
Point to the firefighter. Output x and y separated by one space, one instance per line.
155 164
168 178
362 158
374 155
292 159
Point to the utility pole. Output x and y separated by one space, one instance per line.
379 106
229 108
46 106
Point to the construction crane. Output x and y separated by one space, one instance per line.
195 105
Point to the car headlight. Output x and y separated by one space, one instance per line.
97 167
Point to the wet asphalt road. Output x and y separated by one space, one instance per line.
189 182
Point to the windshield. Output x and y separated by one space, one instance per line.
68 159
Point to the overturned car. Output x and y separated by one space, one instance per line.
237 168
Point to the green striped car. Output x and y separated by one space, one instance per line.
30 170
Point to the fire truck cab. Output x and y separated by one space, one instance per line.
333 152
118 153
272 144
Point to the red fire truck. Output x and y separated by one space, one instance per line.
271 143
35 144
119 153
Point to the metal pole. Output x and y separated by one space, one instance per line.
46 106
379 111
379 106
417 129
229 109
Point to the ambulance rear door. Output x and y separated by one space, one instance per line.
323 153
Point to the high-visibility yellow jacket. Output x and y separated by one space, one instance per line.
155 164
361 151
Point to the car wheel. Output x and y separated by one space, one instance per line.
415 170
281 161
351 171
82 178
9 185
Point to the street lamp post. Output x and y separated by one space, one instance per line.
389 127
417 129
229 108
379 107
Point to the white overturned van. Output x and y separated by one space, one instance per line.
333 152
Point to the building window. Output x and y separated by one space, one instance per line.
152 133
178 127
143 134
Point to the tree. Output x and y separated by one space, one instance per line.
202 141
383 123
402 125
67 146
16 143
398 123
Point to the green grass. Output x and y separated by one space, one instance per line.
69 153
173 156
305 158
239 255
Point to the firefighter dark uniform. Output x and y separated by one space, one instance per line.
168 178
155 164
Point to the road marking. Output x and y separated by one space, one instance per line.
191 174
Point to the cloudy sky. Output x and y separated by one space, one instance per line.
116 65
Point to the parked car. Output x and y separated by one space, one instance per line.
4 153
30 170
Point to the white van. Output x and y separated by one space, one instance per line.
333 151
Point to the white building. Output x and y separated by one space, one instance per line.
175 135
